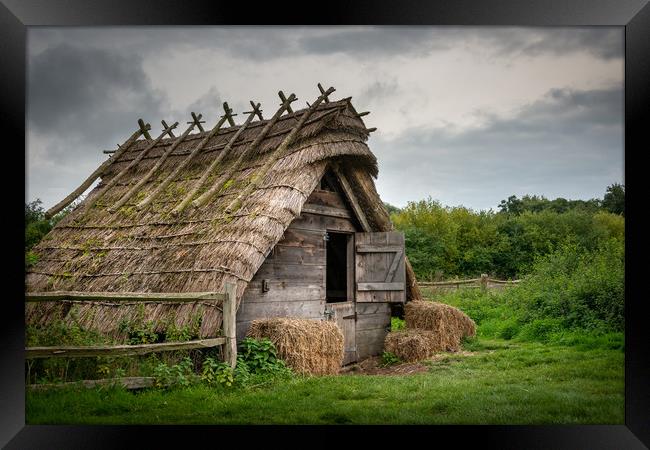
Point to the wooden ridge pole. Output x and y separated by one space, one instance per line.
197 121
231 170
215 162
276 155
165 126
153 170
181 166
132 164
93 176
284 100
144 129
229 114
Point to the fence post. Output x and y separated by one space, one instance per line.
484 282
229 320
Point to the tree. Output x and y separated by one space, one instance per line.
36 225
614 200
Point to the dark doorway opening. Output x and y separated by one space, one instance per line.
337 267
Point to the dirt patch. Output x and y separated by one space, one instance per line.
373 365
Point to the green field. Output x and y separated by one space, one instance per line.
501 382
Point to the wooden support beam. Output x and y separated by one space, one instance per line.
196 120
322 210
164 124
378 248
256 109
380 286
172 297
322 91
213 165
280 152
229 324
118 350
144 129
151 172
216 187
96 174
130 166
361 114
229 114
172 176
284 100
349 193
370 130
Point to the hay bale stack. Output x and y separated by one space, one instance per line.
307 346
411 345
449 324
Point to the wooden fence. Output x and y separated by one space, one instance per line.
227 339
484 282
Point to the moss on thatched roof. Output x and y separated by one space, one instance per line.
154 250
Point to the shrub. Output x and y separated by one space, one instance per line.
397 324
260 356
217 373
389 359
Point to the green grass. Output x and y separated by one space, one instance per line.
503 382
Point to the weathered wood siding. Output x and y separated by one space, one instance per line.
295 271
373 322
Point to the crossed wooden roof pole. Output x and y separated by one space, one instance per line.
221 181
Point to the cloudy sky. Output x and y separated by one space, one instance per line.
466 115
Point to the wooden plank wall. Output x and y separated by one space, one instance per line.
296 273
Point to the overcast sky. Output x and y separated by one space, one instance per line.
466 115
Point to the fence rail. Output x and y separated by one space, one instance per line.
227 340
484 283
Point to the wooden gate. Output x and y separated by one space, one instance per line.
380 271
343 314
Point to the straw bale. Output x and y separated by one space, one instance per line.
307 346
412 345
449 324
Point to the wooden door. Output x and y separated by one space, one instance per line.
380 272
343 314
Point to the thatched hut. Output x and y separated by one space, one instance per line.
284 207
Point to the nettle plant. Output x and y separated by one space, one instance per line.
260 355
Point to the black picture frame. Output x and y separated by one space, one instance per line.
633 15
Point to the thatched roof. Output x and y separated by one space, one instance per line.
154 249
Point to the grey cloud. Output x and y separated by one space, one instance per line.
374 41
264 43
75 92
567 144
606 43
377 91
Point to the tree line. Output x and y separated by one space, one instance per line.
444 242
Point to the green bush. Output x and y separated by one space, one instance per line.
217 373
389 359
397 324
459 242
260 355
573 296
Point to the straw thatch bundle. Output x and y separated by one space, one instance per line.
449 324
307 346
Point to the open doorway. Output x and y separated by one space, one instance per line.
338 267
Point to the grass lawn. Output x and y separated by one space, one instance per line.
502 382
